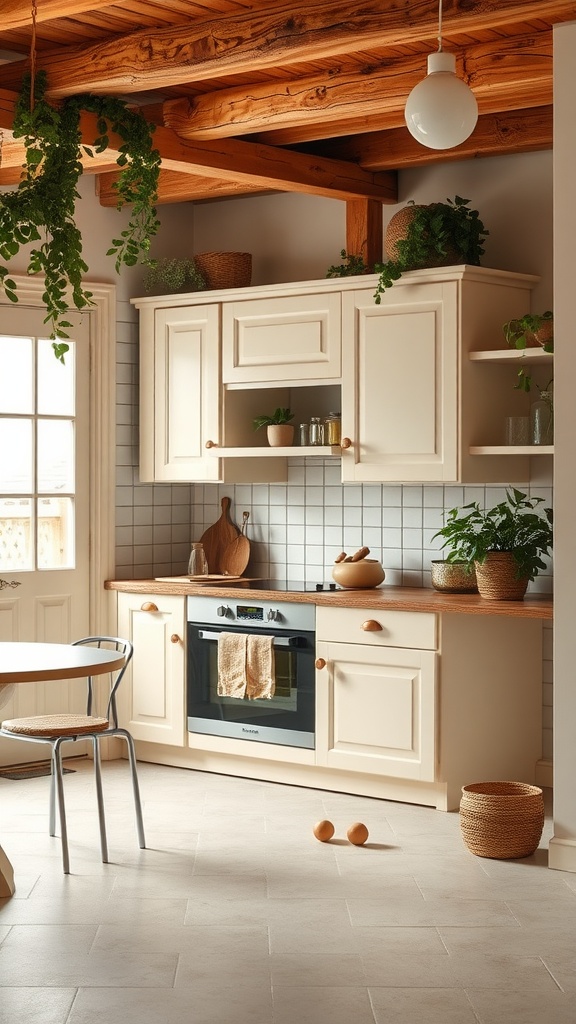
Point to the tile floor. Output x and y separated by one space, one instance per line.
235 913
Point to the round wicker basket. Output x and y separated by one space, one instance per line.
225 269
497 579
502 820
396 230
453 577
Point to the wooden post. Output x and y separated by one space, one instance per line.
364 229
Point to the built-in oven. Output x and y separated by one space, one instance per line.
287 716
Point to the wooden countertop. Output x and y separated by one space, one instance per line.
412 599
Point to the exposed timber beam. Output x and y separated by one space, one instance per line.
258 166
255 40
519 131
16 13
364 230
175 187
496 73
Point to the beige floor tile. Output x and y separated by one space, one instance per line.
422 1005
318 969
521 1007
244 1003
94 969
411 941
439 912
321 1005
224 941
60 939
35 1005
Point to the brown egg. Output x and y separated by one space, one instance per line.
323 830
357 833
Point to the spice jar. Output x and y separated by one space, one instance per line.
316 431
332 429
304 434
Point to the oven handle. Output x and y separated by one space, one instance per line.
279 641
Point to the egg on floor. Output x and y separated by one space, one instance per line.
357 833
323 830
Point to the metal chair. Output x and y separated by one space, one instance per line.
59 729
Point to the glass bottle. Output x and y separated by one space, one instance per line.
316 430
197 565
332 430
304 434
542 419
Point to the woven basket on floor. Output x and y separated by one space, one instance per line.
503 820
496 577
225 269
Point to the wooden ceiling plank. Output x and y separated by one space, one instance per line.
174 187
16 13
258 39
341 93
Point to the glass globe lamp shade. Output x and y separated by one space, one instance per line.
441 111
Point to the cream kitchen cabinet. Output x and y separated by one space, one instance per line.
179 392
425 702
413 403
280 339
152 696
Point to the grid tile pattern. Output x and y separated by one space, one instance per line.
235 911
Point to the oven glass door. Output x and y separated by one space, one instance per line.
286 718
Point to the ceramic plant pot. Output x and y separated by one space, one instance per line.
280 435
497 579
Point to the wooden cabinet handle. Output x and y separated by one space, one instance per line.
175 639
149 606
345 442
371 626
320 663
211 444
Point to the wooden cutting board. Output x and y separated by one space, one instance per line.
237 554
219 537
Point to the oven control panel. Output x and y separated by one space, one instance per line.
257 614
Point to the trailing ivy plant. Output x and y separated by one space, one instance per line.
41 209
435 233
353 264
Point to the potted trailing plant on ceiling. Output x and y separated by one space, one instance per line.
41 209
436 235
504 544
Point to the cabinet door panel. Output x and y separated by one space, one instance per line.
399 384
376 711
152 695
293 338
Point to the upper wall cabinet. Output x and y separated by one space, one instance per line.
413 403
292 338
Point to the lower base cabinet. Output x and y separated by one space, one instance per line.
152 694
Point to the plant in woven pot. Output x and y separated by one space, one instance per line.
504 544
436 235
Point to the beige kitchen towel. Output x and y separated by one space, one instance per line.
232 664
260 667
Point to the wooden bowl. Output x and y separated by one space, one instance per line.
368 572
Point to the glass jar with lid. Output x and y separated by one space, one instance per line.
316 432
332 428
542 419
197 564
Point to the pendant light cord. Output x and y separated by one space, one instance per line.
33 54
439 26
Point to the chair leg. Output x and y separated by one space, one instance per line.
57 770
100 799
53 772
135 787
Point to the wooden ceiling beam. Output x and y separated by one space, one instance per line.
16 13
254 40
175 187
519 131
510 68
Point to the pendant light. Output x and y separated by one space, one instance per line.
441 111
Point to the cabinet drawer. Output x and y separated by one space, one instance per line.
293 338
399 629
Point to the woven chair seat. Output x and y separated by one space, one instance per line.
56 725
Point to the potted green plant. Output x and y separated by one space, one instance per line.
504 544
435 235
279 430
352 265
530 330
173 275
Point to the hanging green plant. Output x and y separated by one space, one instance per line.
42 207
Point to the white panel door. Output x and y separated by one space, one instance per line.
44 500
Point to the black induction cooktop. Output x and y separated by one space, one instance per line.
294 586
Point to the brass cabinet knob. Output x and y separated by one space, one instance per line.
211 444
345 442
371 626
175 639
320 663
149 606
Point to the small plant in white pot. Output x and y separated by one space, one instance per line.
279 430
504 544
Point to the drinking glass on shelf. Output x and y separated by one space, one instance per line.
517 430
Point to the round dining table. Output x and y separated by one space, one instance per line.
22 662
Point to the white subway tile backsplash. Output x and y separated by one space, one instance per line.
372 495
352 516
433 497
391 517
314 495
295 516
392 495
412 496
314 515
412 517
333 515
372 517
